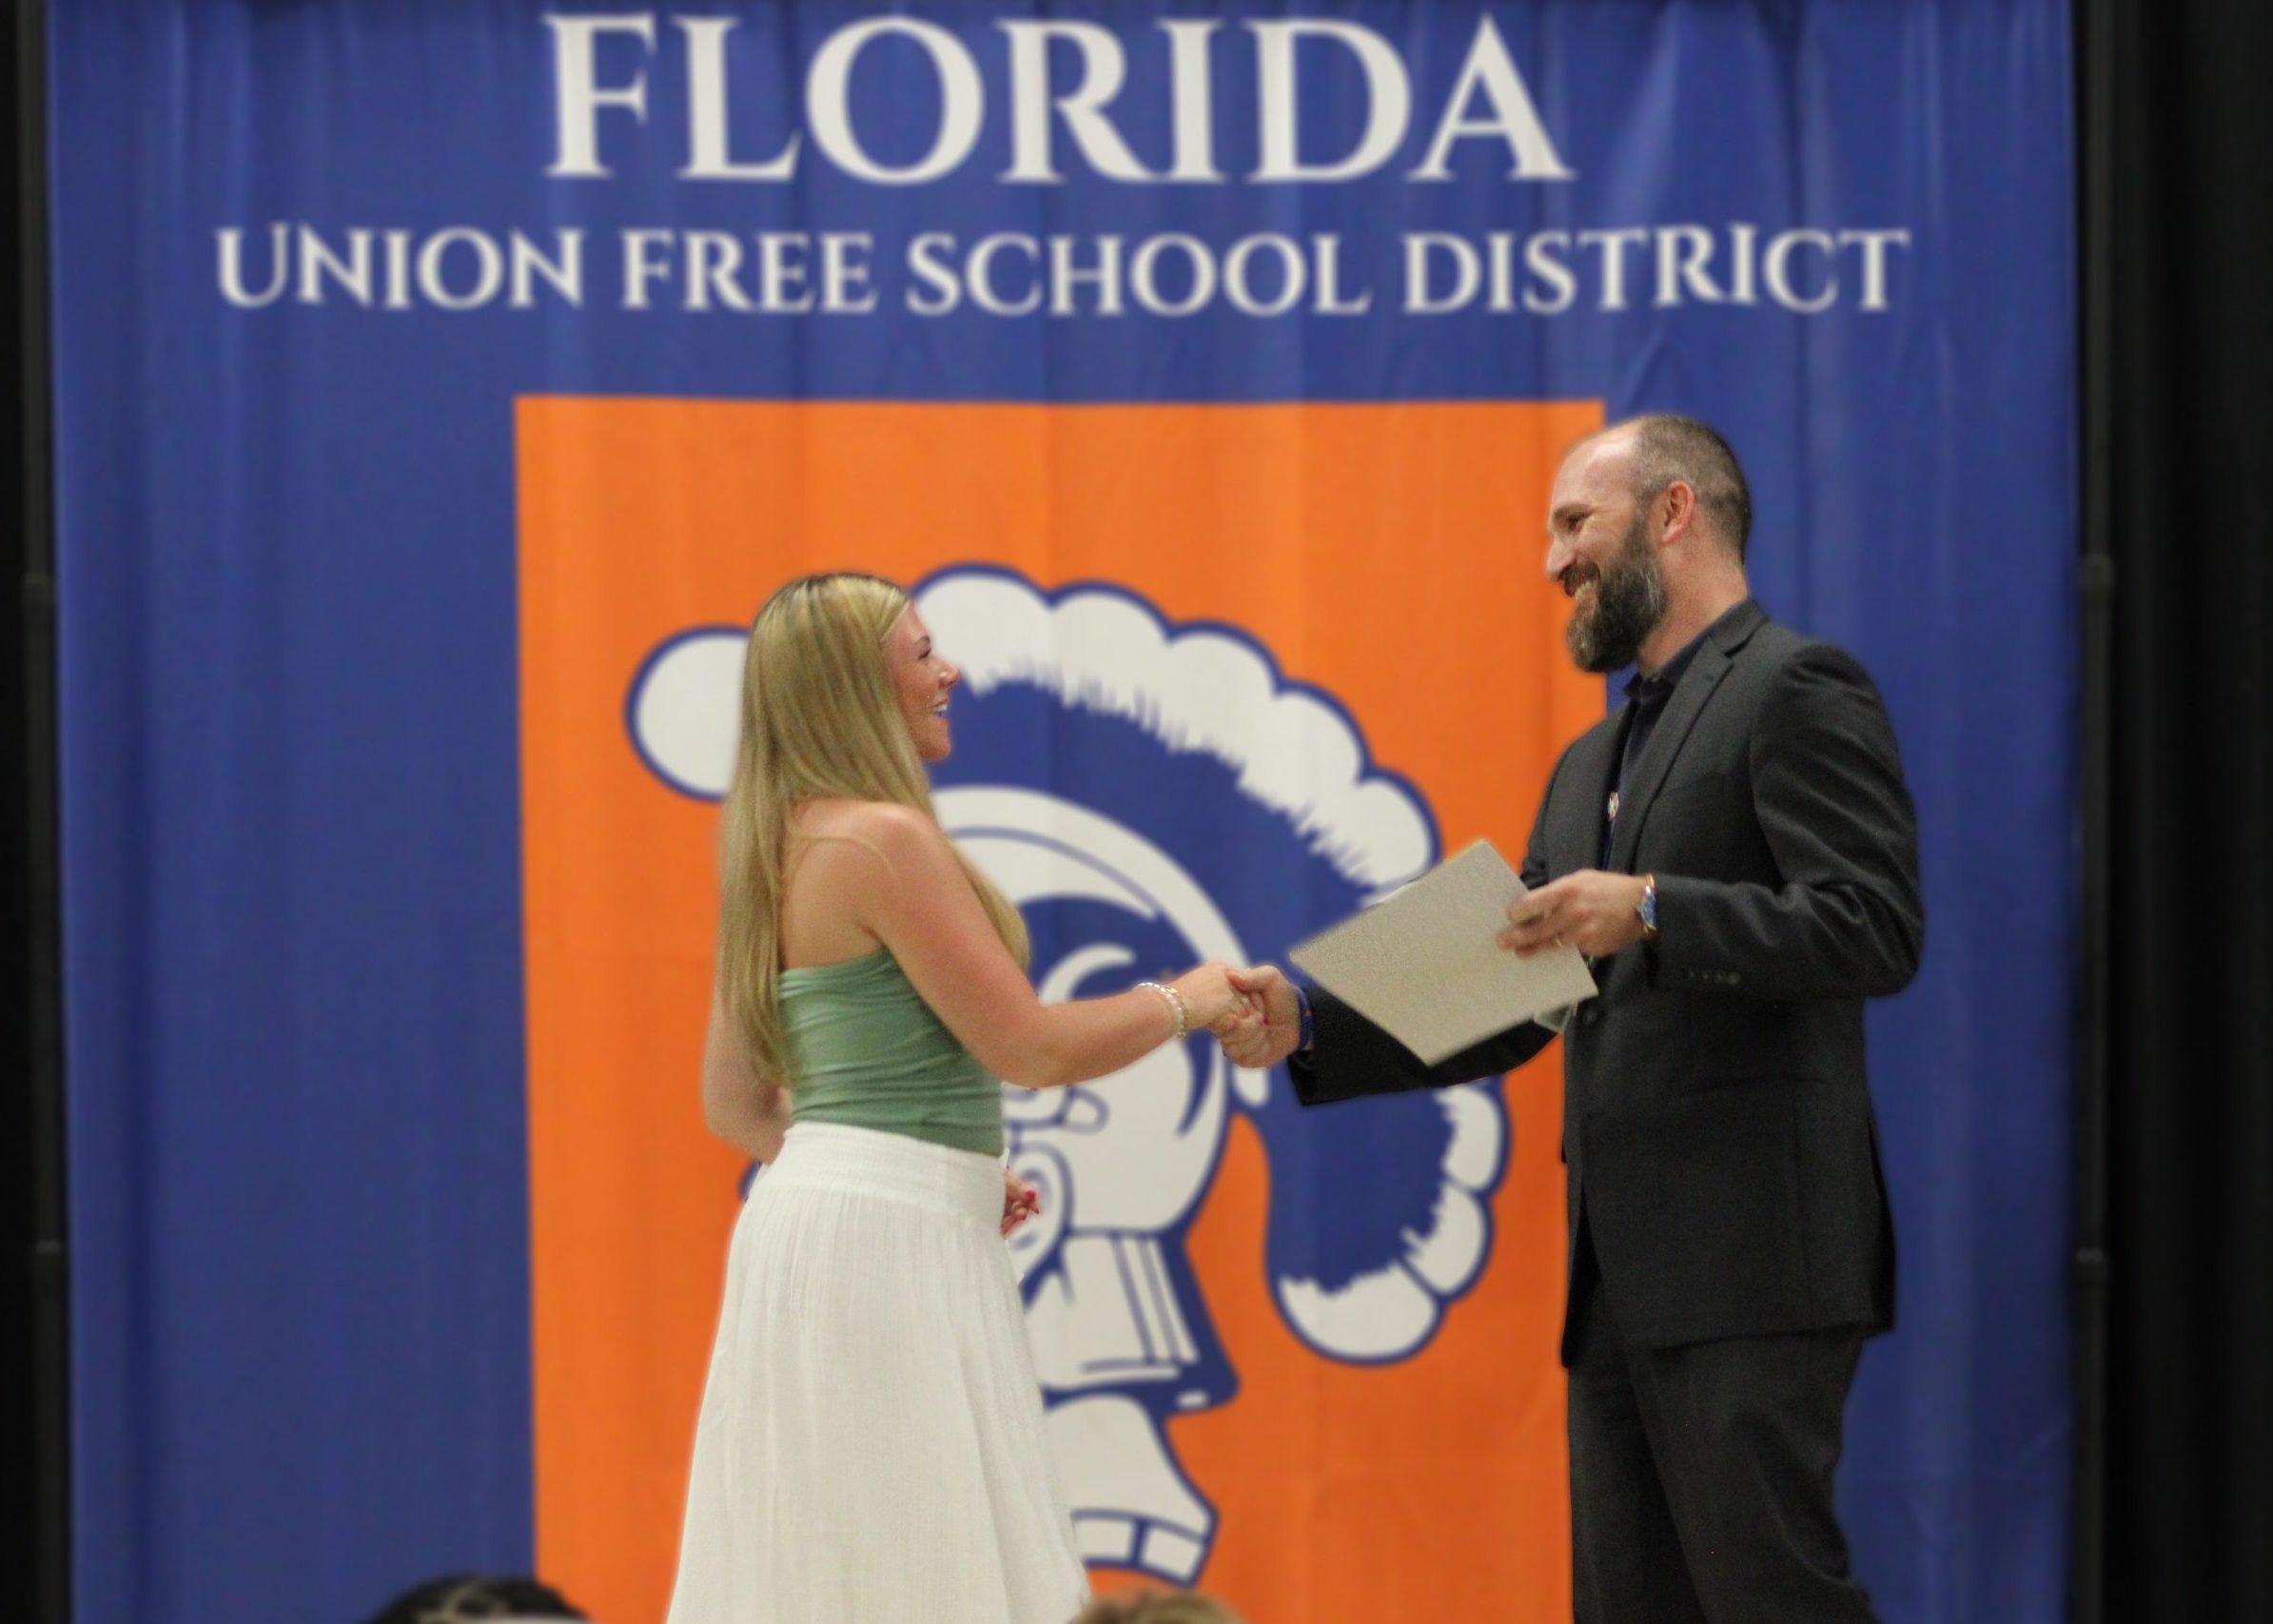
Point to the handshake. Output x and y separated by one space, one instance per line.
1256 1014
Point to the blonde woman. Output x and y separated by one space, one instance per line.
870 1440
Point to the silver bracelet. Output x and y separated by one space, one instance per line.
1175 1006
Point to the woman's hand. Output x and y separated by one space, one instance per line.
1212 1004
1020 1200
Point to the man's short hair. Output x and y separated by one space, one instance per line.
1667 447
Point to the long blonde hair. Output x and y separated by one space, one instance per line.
820 717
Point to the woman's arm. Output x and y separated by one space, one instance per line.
741 1108
909 889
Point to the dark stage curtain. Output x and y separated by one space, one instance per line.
32 1424
2183 362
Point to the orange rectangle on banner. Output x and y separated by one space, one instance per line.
1386 555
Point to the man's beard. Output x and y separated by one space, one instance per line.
1629 601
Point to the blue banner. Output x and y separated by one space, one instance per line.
438 388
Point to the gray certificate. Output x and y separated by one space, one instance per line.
1425 966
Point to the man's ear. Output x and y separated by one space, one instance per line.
1677 504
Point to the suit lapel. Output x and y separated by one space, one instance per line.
1574 831
1681 712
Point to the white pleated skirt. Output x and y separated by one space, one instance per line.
871 1443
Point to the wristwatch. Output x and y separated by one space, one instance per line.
1647 908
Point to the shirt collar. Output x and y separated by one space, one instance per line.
1657 689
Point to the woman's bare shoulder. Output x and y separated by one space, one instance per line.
887 829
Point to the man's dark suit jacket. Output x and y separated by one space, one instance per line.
1715 1119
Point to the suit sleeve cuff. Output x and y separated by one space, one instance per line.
1680 957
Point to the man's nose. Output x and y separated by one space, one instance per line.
1559 559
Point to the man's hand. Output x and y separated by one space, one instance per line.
1272 1039
1591 911
1242 1026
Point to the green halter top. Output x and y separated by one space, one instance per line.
871 1053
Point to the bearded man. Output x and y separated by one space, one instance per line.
1735 851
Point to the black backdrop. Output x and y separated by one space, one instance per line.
2175 569
32 1424
2182 365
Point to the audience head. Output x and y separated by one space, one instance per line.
1156 1607
463 1598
